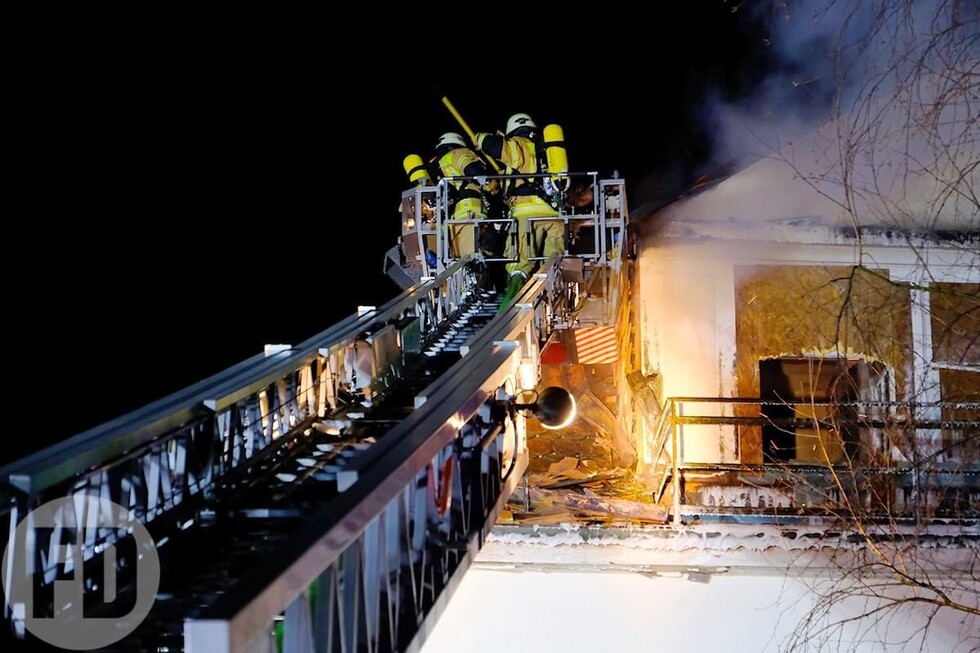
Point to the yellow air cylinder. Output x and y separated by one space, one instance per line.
554 148
415 169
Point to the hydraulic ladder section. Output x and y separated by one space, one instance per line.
362 468
329 494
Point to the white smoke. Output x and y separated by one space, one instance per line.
873 104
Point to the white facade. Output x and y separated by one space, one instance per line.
732 593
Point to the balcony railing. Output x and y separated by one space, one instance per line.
705 458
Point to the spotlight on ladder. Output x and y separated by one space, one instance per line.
553 406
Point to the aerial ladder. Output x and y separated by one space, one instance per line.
327 495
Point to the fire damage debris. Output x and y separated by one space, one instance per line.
583 473
580 491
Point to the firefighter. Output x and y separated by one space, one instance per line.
466 196
519 149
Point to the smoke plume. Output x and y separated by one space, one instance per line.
874 104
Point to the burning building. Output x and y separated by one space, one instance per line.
800 384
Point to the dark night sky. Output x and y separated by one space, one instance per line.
195 197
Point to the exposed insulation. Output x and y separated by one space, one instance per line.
813 311
955 313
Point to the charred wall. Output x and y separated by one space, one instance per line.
787 310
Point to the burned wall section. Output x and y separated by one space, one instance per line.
816 311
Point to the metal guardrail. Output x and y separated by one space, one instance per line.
595 228
899 466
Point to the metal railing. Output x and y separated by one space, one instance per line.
706 455
592 211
